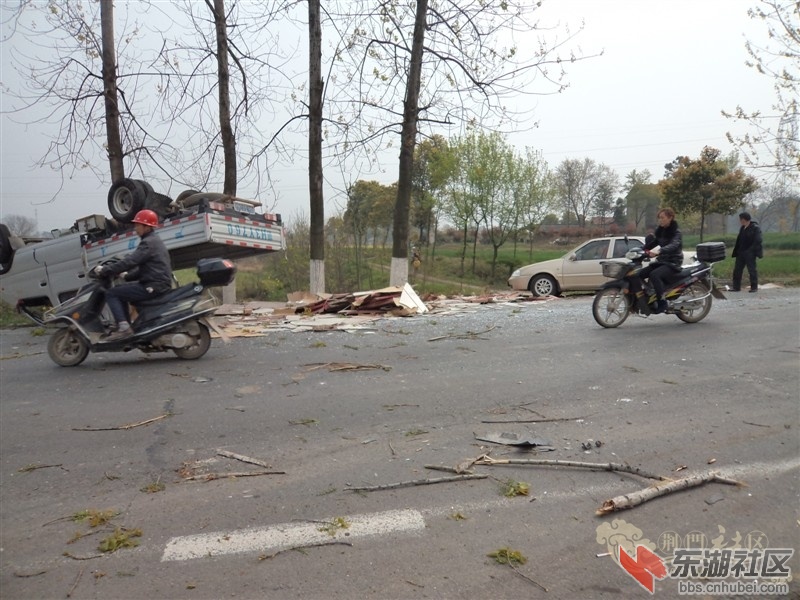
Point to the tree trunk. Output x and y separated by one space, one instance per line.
317 202
399 269
110 91
226 131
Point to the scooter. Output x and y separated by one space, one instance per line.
176 320
688 297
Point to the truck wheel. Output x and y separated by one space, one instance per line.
66 348
126 198
185 194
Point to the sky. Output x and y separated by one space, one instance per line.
667 71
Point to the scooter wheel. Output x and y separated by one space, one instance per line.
200 347
66 348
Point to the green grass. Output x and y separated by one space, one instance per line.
10 318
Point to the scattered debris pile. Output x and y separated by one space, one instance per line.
346 312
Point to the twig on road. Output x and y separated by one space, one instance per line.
124 427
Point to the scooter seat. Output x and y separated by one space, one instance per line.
170 296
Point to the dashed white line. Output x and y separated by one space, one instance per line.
287 535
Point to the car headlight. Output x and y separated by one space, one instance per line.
516 273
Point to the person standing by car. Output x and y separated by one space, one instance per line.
149 264
666 245
748 248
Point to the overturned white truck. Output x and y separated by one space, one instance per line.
195 225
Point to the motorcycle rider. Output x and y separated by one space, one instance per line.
667 246
149 264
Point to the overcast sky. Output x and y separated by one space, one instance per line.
668 69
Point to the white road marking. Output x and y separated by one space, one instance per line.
287 535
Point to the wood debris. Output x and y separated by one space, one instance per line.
124 427
661 489
402 484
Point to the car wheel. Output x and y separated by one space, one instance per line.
543 285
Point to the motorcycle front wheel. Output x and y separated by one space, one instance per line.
696 303
611 307
200 347
66 348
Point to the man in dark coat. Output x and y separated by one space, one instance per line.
153 272
748 248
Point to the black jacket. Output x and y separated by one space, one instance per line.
671 241
749 241
152 262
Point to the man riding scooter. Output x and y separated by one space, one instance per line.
149 264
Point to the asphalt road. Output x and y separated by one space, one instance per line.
670 398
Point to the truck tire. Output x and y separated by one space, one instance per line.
126 198
185 194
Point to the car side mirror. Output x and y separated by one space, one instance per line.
572 257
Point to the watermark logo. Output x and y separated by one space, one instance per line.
701 565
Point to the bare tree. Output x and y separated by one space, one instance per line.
79 86
315 191
20 225
775 142
453 63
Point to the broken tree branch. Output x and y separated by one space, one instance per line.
124 427
621 468
213 476
274 554
470 335
394 486
337 366
29 468
243 458
555 420
661 489
75 583
448 469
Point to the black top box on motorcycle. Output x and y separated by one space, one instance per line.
711 251
215 271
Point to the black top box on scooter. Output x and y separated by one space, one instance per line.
711 251
215 271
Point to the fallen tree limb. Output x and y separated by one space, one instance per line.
243 458
274 554
448 469
394 486
338 366
618 467
661 489
555 420
470 335
123 427
30 468
213 476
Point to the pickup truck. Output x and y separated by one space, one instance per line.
196 225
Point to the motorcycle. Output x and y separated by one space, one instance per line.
176 320
688 297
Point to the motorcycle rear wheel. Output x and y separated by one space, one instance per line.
703 306
66 348
201 346
611 307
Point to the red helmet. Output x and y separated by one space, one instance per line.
146 217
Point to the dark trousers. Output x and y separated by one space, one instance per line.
745 259
659 274
119 296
